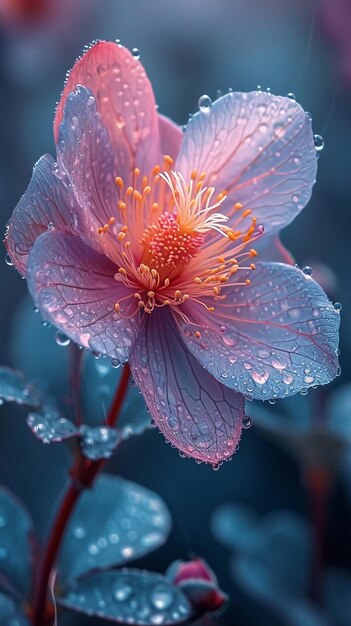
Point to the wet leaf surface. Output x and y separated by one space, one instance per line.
114 522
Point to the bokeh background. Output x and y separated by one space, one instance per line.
296 456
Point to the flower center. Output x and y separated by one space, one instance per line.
172 244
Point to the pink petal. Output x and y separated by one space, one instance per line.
171 136
125 101
45 203
258 147
196 413
74 289
270 339
86 157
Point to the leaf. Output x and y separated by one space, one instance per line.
129 596
15 388
10 614
234 525
15 548
99 383
98 443
50 426
114 522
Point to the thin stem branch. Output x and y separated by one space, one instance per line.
83 475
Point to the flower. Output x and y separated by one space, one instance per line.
142 244
199 583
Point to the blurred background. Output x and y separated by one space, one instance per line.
282 505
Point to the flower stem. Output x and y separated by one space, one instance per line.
83 474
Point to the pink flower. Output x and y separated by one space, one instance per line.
146 245
200 585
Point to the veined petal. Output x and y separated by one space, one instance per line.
171 136
269 339
194 411
45 203
86 158
125 101
260 149
74 289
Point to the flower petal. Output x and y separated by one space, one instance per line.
125 101
271 248
196 413
45 202
74 288
171 136
258 147
86 158
280 334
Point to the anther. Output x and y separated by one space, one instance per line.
252 266
119 182
248 281
117 307
237 206
137 195
198 280
121 236
168 159
253 252
111 221
156 170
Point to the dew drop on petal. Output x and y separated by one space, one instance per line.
247 422
8 260
136 53
205 103
337 306
318 142
62 339
115 363
307 270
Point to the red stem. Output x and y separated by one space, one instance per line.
83 475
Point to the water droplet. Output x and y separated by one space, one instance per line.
8 260
79 532
247 421
318 142
307 270
136 53
62 339
260 228
115 363
215 466
161 597
205 103
122 591
99 442
291 96
222 329
50 226
337 306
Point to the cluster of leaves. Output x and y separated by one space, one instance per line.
114 523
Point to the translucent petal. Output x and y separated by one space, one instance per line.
86 157
15 388
74 288
260 149
269 339
171 136
125 101
15 543
45 204
197 414
114 522
99 383
129 597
